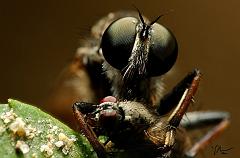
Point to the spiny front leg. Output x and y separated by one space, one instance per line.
171 99
163 133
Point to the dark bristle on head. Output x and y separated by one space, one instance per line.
141 17
139 14
154 21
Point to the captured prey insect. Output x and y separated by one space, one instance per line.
126 60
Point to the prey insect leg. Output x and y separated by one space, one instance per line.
88 132
200 119
171 99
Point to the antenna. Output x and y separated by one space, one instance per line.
161 16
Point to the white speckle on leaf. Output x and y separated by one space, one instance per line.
67 142
18 127
47 149
22 146
30 132
50 138
34 155
8 116
62 137
59 144
65 151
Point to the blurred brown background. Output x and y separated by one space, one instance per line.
38 38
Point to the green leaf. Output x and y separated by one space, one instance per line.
26 131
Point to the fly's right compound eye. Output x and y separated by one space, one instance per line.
118 40
163 50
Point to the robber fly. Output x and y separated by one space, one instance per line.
126 59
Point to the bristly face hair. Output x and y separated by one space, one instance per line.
136 67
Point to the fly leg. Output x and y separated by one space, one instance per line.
171 99
86 129
163 133
200 119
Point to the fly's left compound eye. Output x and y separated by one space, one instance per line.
118 41
163 50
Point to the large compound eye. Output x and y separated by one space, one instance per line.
118 41
163 51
